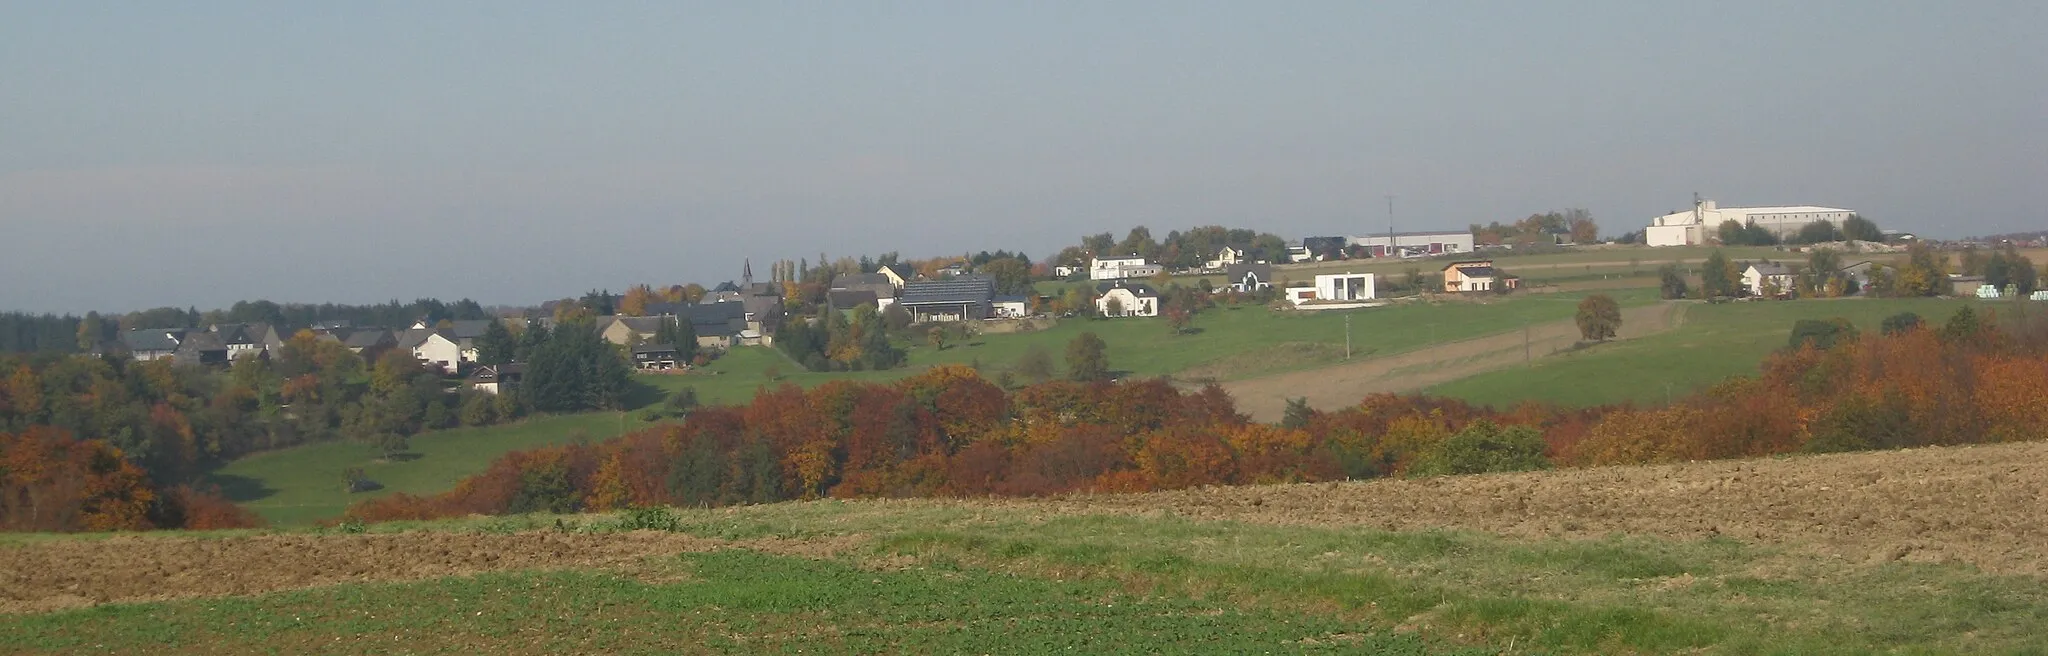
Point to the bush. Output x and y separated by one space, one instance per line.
1484 447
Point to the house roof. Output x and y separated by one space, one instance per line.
727 286
1469 263
1770 269
413 337
1138 289
654 348
718 319
667 309
1476 271
859 280
470 329
901 270
152 339
635 324
955 290
849 298
367 338
1238 271
202 341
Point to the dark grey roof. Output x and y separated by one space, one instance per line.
844 299
1238 271
1462 264
1476 271
367 338
902 271
958 289
726 286
413 337
152 339
202 341
1138 289
857 280
1771 268
654 348
470 329
718 319
667 309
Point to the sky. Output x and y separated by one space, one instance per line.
198 153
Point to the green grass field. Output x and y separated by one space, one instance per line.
1715 342
303 484
940 578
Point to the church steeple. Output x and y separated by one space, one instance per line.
747 273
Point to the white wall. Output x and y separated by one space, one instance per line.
1345 287
439 353
1677 235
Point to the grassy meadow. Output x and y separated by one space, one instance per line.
1714 342
937 577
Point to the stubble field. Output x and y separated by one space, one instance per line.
1927 551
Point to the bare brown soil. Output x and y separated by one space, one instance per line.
60 574
1329 388
1983 505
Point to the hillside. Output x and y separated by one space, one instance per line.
1927 550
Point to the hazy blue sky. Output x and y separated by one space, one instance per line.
195 153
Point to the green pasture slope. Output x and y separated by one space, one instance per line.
1715 342
934 577
301 485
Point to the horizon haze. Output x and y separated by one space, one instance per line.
195 154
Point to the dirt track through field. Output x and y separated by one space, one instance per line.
1329 388
1983 505
73 573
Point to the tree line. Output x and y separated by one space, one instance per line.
144 433
950 432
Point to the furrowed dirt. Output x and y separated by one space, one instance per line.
1985 505
74 573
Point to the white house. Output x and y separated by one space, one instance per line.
1698 225
1248 278
1119 268
1126 299
1476 276
1344 287
1401 244
439 351
1224 258
1012 307
1778 275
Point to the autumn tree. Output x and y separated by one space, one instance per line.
1671 284
1087 358
1036 365
1861 229
1599 318
1718 277
1484 447
636 300
1923 274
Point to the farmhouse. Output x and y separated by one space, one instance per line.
369 339
656 357
152 343
898 274
439 351
960 298
1119 268
717 325
1248 278
496 378
1225 257
1762 277
1476 276
1126 299
626 331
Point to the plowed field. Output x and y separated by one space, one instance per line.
1985 506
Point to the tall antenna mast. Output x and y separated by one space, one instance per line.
1390 224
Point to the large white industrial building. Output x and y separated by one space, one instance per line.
1699 224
